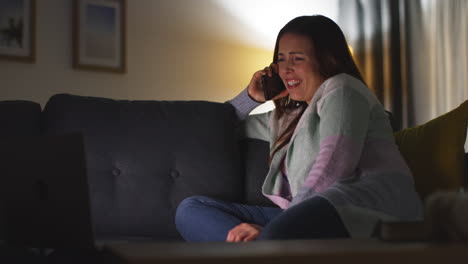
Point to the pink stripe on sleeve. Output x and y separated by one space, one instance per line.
337 158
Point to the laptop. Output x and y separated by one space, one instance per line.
44 197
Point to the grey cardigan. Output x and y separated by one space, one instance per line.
342 150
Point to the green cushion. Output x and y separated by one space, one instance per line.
434 151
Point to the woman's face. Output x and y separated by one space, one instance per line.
297 67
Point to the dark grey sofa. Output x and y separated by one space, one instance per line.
145 157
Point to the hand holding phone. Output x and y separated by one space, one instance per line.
272 86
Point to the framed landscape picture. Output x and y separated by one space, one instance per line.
17 30
99 35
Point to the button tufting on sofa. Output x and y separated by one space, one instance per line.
116 172
175 174
135 151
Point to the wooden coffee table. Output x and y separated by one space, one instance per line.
293 252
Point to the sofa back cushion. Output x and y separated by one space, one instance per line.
144 157
19 118
435 151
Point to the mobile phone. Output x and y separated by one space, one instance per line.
272 86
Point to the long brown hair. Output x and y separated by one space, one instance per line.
332 57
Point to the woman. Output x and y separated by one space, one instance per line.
335 170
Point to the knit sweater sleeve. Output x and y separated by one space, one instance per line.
344 119
252 126
243 104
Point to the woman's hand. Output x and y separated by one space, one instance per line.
243 232
255 88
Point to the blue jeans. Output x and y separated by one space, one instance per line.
201 218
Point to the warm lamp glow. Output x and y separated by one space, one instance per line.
267 17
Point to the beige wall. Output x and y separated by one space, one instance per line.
176 50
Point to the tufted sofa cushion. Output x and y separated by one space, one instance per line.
144 157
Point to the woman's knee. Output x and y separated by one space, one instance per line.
187 206
191 201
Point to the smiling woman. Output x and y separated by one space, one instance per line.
335 170
295 65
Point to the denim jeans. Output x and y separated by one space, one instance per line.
201 218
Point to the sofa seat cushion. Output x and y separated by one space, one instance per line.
435 151
144 157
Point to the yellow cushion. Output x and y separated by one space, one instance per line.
434 151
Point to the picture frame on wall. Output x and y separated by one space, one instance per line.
18 30
99 42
